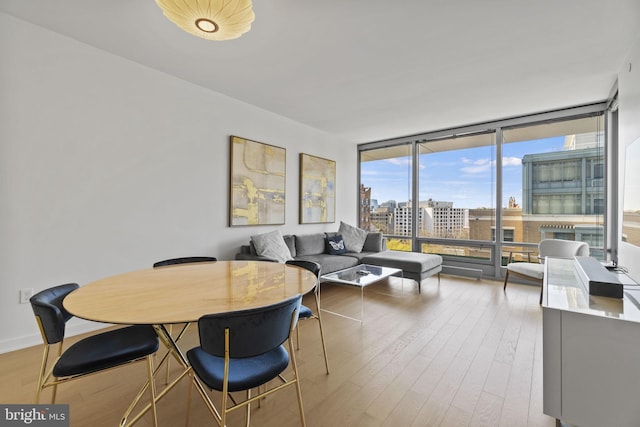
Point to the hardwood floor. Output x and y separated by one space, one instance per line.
461 353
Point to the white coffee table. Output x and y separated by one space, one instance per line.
361 275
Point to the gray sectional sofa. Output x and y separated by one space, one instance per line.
312 247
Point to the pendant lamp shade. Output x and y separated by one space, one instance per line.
210 19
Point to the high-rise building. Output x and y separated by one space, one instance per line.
382 220
563 198
568 182
443 220
365 207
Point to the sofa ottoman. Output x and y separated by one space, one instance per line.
414 265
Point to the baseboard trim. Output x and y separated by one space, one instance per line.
14 344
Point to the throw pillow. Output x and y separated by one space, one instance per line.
353 237
272 245
335 245
290 240
373 243
310 244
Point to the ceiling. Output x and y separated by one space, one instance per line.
366 70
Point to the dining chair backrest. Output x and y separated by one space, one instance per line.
47 306
184 260
559 248
251 332
312 266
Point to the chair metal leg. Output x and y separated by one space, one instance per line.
174 351
152 390
225 384
223 411
207 400
43 368
248 407
541 288
189 396
55 386
324 347
294 365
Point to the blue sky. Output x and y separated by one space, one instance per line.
464 177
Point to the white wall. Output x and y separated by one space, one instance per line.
107 166
629 120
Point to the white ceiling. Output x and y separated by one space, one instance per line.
367 70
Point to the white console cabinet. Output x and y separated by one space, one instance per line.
591 351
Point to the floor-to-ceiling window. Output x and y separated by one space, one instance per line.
456 182
555 182
386 186
475 193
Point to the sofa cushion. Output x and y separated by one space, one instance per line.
335 245
331 263
527 269
309 244
354 237
359 255
271 245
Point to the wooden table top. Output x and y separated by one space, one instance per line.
183 293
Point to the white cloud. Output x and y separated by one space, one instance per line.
399 162
477 166
483 165
511 161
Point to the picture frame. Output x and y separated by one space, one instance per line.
257 183
317 190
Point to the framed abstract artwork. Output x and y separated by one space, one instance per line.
317 189
257 183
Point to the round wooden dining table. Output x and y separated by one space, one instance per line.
183 293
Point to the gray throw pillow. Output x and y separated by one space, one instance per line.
309 244
373 243
353 237
290 240
272 245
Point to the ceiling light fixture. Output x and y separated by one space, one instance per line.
210 19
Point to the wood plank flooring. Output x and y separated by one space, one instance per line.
461 353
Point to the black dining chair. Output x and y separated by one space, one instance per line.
91 355
178 261
243 350
306 312
184 260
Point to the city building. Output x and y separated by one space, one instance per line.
443 220
569 182
365 207
563 195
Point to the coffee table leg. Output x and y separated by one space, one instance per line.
361 305
344 315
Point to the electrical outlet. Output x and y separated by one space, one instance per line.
25 294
